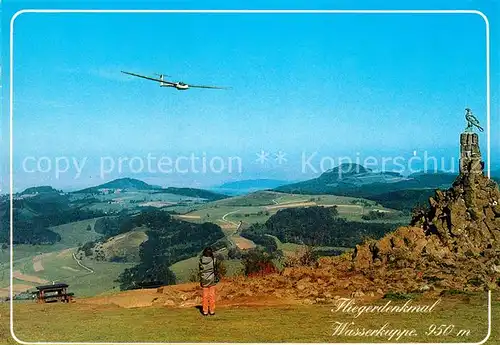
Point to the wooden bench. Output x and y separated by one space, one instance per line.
53 293
64 297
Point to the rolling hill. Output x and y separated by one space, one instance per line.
131 185
126 183
248 186
195 193
388 188
345 179
38 190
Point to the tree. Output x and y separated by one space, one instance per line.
220 267
234 253
258 262
133 277
316 226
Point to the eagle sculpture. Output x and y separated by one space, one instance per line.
472 121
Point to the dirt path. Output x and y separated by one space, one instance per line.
70 269
82 265
28 278
235 239
242 242
228 221
185 216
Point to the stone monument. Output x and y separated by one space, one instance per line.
456 237
470 155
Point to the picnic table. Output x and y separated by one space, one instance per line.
53 293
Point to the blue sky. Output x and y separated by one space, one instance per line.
337 84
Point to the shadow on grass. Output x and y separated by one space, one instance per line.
200 309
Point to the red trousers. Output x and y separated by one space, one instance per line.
209 299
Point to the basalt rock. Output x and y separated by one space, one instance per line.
456 237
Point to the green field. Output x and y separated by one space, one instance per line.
129 200
259 206
71 235
63 267
243 323
59 265
75 233
228 213
126 245
261 198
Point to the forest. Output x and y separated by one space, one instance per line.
315 226
169 241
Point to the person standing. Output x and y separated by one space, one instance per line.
208 280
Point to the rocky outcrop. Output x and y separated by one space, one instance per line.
456 237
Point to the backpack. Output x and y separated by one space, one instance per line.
216 273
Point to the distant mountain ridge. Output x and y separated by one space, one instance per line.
345 179
125 183
390 189
131 184
39 190
195 193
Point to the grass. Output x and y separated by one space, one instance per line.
260 198
83 282
74 233
116 202
252 208
126 245
101 281
62 267
286 323
55 266
5 269
184 268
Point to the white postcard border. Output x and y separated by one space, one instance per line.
11 91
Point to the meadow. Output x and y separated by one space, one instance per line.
464 317
39 264
259 206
